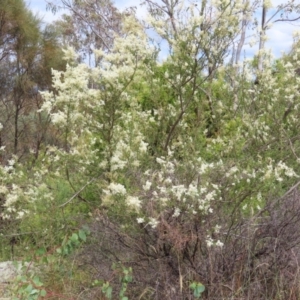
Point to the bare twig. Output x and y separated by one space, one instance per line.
77 193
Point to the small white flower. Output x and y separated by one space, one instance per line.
3 189
147 186
5 216
177 212
69 54
259 196
219 244
140 220
59 117
133 202
153 222
163 200
209 241
143 146
8 168
217 228
117 188
160 161
192 190
11 209
290 173
10 200
20 214
135 163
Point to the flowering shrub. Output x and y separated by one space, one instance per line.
172 158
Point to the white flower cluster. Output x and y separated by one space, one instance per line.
129 145
210 242
133 202
115 189
163 188
278 170
70 54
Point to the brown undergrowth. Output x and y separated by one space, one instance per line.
259 258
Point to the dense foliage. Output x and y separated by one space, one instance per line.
183 172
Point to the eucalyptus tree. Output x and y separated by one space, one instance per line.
288 11
88 25
27 55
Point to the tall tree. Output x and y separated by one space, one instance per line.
90 24
26 57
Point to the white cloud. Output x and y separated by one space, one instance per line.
280 38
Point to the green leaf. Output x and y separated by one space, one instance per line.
29 288
74 237
43 293
86 229
200 289
65 240
82 235
34 292
108 293
127 278
65 250
193 285
97 282
36 281
41 251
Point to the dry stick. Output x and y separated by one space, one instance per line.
261 35
291 189
180 275
281 198
77 193
18 234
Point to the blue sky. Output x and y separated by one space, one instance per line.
280 35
